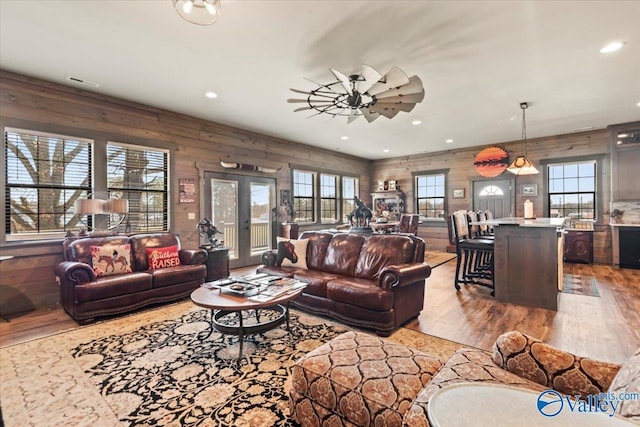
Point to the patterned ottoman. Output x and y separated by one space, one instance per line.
358 380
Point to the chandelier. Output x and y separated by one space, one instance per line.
200 12
521 165
367 94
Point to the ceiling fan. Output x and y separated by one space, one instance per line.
367 94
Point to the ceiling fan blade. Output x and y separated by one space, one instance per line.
414 86
371 77
394 78
388 112
369 115
322 101
405 99
303 109
344 80
353 115
397 106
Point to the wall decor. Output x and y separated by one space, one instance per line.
458 193
187 188
529 189
491 162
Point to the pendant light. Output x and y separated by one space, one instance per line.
521 165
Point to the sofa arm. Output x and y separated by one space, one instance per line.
193 256
400 275
270 258
536 361
74 273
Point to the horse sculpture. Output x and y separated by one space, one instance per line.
361 215
208 230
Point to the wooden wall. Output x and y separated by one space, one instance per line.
461 172
196 145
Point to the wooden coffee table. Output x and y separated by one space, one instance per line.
224 305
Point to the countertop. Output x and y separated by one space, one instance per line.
536 222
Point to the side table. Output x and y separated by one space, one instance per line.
217 263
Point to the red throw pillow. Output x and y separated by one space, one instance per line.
163 257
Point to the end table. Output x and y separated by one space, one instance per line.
217 263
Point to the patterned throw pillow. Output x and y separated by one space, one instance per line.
163 257
292 253
111 260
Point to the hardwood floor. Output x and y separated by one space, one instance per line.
606 328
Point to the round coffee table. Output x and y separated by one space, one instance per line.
225 305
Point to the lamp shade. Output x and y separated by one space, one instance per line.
90 206
522 166
117 206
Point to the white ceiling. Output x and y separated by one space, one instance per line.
477 60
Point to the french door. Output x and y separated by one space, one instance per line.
495 195
241 207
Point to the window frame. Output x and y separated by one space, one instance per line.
316 200
8 236
331 200
426 173
599 164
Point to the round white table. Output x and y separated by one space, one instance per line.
490 405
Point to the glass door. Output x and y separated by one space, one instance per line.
241 208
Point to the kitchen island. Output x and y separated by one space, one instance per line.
528 261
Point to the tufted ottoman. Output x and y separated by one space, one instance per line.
358 380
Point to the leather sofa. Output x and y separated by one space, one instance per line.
85 295
360 379
373 281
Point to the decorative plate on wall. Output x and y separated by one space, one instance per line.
491 162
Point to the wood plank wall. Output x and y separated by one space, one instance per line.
461 172
196 145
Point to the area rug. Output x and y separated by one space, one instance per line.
580 285
152 369
436 258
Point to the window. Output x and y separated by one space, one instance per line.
140 175
349 191
430 196
328 198
303 195
572 189
45 175
491 190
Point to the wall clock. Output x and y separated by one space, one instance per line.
491 162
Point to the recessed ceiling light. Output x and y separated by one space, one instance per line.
386 150
344 138
612 47
638 104
416 122
449 141
211 94
512 118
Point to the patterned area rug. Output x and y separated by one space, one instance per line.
580 285
436 258
151 368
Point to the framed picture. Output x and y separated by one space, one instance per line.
529 189
187 190
458 193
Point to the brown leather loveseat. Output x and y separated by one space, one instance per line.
372 281
111 275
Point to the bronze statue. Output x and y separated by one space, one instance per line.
208 230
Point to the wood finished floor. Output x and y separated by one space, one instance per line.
606 328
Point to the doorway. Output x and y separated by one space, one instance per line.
495 195
240 207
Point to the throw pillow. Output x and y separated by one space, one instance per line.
163 257
292 253
111 260
627 381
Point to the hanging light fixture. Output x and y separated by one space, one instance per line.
200 12
521 165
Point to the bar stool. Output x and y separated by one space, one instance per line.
474 261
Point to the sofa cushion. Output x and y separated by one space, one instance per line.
628 381
466 365
360 292
163 257
110 260
113 286
360 378
317 248
342 254
173 275
380 251
316 281
292 253
141 242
